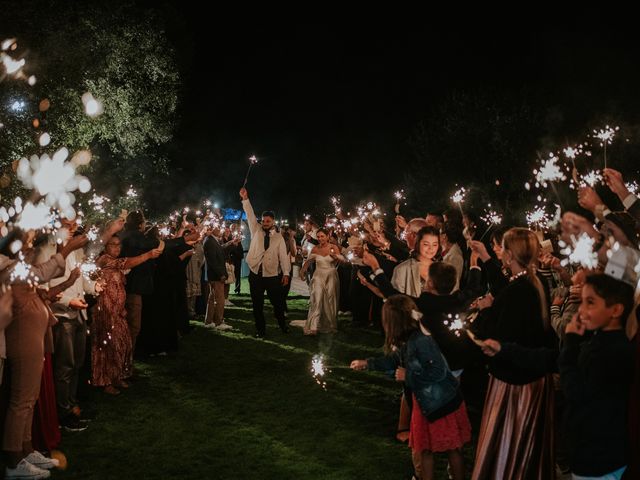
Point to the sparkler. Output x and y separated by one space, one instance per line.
53 178
21 272
548 172
98 202
591 179
606 137
89 269
458 197
399 196
491 218
252 161
35 217
580 251
538 218
93 234
455 324
319 370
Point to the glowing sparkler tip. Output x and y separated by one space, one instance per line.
458 196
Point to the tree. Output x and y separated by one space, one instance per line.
119 53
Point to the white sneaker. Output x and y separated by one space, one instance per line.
227 303
40 461
210 325
26 471
224 326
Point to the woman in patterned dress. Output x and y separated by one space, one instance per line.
111 346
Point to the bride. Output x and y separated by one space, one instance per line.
324 286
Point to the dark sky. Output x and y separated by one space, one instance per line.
329 108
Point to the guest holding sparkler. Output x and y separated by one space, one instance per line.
440 423
25 352
140 279
519 315
410 230
111 342
325 286
269 264
70 332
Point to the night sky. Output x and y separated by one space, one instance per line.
329 108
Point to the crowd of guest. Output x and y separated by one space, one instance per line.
456 303
91 323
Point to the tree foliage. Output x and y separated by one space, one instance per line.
116 51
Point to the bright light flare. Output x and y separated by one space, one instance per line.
580 252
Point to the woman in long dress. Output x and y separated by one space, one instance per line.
324 287
111 346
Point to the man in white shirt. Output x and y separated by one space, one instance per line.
269 266
70 333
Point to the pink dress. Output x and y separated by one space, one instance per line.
447 433
111 346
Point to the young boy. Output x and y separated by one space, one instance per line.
595 373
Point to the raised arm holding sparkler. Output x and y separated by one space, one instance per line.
269 265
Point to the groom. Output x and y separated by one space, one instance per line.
269 266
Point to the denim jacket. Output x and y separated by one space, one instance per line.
428 375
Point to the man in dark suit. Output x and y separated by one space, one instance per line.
216 275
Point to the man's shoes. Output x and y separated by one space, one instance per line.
26 471
224 326
40 461
259 335
76 412
73 424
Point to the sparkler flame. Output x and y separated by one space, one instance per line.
458 196
606 134
319 370
538 217
592 178
580 251
549 171
455 324
491 217
35 217
89 269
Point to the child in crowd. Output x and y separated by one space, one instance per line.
440 424
595 372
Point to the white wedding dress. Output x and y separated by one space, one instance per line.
323 302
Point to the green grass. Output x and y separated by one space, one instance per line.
228 406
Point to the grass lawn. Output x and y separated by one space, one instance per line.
229 406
